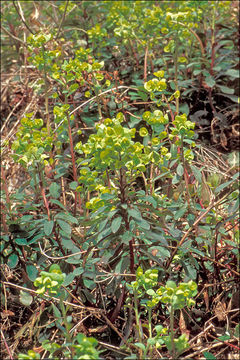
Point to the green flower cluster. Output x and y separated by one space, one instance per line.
50 281
178 296
32 141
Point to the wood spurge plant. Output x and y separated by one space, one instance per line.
176 297
119 179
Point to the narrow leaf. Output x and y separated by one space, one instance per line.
64 226
48 226
116 223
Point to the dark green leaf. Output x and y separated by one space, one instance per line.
56 311
104 233
226 90
184 108
32 272
127 236
112 213
178 214
57 202
103 224
78 271
64 226
162 251
210 81
69 279
107 196
209 356
19 241
134 213
223 338
197 173
12 261
66 216
234 98
151 200
237 331
48 226
226 184
143 224
152 257
54 190
36 238
156 237
116 223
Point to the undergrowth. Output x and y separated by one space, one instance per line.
122 238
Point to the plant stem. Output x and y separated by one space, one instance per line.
137 319
185 174
67 325
175 59
150 331
77 195
46 92
172 331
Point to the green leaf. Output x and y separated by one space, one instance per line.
180 170
140 345
56 311
208 356
156 237
226 90
72 88
163 251
48 226
223 338
233 73
69 279
127 236
103 224
107 196
36 238
223 186
197 173
12 261
237 331
134 213
178 214
210 81
184 108
150 199
57 202
19 241
175 179
116 223
64 226
32 272
143 95
73 185
143 224
25 298
66 216
233 98
78 271
54 190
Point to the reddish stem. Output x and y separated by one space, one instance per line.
77 195
145 64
